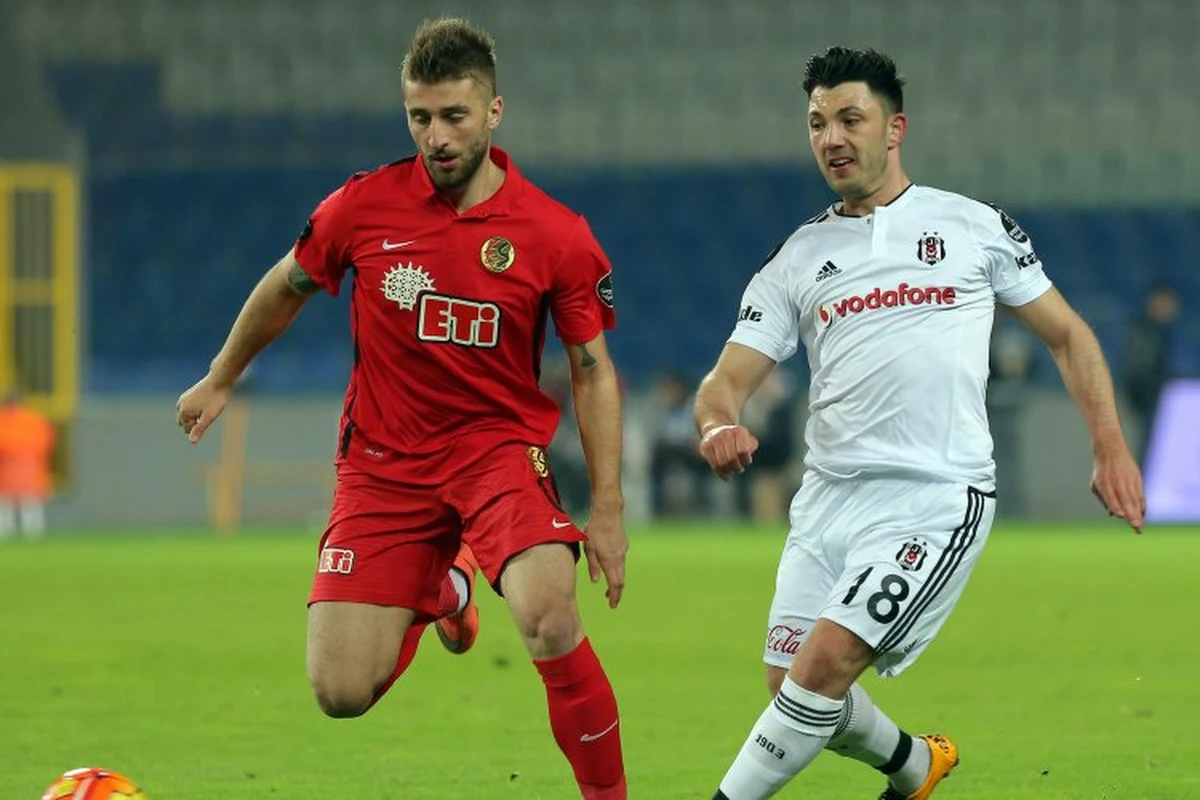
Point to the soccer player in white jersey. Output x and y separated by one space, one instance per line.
892 290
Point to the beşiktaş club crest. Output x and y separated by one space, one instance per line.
403 283
930 248
912 555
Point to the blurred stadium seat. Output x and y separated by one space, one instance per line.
213 127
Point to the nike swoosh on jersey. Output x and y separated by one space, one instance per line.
397 245
560 524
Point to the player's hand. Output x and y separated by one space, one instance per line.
605 549
199 406
728 449
1117 483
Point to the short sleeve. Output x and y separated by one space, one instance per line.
767 319
322 249
582 301
1013 266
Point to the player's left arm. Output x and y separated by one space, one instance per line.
597 394
1116 480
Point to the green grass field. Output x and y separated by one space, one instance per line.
1067 672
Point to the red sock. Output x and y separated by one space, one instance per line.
583 716
408 649
447 603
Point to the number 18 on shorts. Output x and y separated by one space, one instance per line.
886 559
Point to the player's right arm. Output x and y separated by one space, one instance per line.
724 443
322 247
766 334
267 312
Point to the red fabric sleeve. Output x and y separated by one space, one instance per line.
323 247
582 300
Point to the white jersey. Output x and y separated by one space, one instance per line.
895 311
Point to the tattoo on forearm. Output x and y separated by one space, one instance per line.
300 281
588 360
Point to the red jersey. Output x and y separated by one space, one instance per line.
448 311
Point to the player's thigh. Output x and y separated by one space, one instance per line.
354 644
803 581
902 580
539 586
380 565
509 505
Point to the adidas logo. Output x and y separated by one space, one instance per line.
827 270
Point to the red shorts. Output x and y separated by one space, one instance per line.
391 544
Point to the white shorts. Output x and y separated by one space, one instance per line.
887 559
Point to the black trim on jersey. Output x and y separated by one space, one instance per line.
960 542
774 252
816 220
539 335
903 192
347 431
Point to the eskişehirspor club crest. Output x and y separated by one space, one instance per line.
403 283
497 254
931 248
912 555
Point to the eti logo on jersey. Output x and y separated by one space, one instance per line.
902 295
458 321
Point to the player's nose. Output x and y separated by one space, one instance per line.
437 135
834 138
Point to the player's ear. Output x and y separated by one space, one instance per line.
897 129
495 112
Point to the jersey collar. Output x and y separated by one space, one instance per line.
896 202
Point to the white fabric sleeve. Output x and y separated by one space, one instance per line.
767 318
1015 269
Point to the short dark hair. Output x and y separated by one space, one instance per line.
839 65
450 49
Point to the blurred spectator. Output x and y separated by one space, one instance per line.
770 415
26 444
678 474
1008 396
1145 358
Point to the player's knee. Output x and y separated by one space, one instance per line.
775 676
551 630
830 660
342 699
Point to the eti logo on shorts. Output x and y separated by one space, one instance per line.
336 560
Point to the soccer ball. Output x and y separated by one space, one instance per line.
93 783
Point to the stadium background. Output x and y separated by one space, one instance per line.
158 155
199 135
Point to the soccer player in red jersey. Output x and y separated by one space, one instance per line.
456 262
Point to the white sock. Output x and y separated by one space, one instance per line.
462 587
787 737
868 735
32 519
8 519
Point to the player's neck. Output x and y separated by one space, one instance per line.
893 186
486 181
